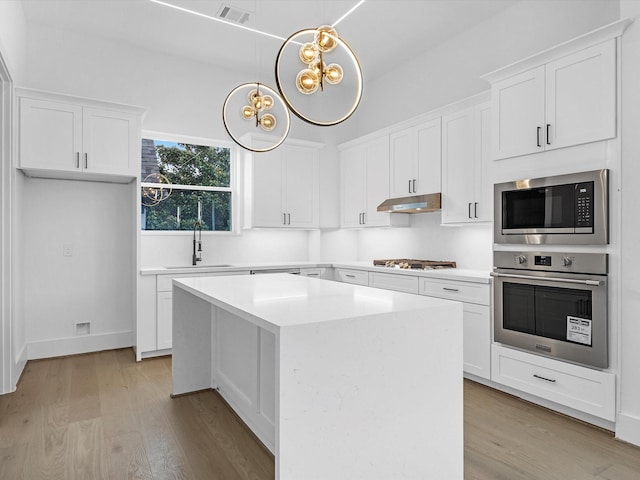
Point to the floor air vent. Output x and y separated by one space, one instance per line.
233 14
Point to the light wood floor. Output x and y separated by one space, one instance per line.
104 416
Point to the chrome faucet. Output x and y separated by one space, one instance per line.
197 253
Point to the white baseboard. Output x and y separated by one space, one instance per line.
21 361
80 344
628 429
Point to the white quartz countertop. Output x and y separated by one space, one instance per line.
236 267
455 274
282 300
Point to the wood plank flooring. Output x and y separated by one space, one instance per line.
104 416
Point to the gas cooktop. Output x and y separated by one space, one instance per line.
410 263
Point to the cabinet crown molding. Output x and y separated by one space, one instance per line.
602 34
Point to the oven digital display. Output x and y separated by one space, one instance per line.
542 260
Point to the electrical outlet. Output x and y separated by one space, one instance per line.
67 250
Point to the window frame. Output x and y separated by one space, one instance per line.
233 188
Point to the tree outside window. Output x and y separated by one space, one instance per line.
182 182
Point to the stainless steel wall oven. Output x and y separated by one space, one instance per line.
565 209
553 303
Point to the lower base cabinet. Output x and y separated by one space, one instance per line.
244 371
581 388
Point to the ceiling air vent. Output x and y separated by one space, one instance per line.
233 14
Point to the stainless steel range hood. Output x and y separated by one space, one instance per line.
414 204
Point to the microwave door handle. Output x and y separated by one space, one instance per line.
549 279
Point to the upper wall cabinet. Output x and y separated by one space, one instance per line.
466 185
283 187
561 97
64 137
364 184
415 155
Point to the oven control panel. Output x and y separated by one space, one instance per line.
572 262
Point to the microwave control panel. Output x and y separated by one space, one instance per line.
584 205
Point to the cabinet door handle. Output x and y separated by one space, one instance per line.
548 133
543 378
288 219
409 186
475 210
469 209
284 218
77 159
538 130
364 220
414 185
450 289
86 161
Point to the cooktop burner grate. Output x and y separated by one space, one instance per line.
410 263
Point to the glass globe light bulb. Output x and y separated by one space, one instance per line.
325 38
267 102
258 102
268 122
308 52
333 73
248 112
307 81
317 67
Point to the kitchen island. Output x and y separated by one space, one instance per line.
339 381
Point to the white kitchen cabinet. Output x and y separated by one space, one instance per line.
284 188
358 277
244 371
583 389
415 156
397 282
164 328
364 184
476 319
566 101
64 137
155 311
466 185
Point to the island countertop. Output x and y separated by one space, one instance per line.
281 300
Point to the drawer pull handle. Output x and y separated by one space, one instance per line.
349 276
543 378
450 289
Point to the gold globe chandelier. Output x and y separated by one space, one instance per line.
326 60
312 55
259 106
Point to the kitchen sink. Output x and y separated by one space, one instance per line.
218 265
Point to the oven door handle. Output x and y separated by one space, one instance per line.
549 279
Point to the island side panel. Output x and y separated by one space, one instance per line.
192 346
376 397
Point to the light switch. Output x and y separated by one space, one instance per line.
67 250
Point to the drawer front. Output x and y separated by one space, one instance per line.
311 272
589 391
359 277
479 293
389 281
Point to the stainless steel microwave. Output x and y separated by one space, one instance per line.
565 209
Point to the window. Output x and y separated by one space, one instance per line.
186 182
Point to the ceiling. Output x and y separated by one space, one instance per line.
383 33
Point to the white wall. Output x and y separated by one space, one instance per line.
92 285
628 425
451 71
13 44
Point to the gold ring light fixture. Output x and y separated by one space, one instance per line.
319 76
154 190
254 109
